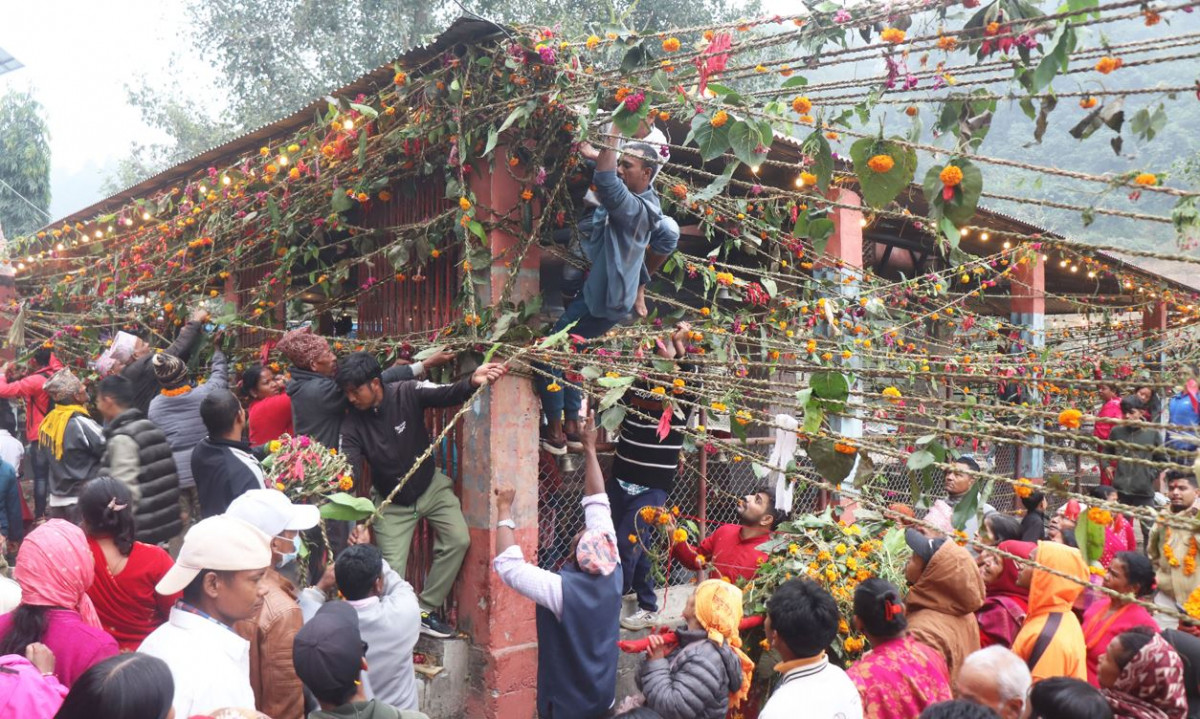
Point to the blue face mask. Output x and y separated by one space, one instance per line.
290 557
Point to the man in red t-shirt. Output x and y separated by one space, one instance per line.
732 550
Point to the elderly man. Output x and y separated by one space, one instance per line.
995 678
318 403
74 442
578 607
959 482
617 247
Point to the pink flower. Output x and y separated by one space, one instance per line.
304 441
841 16
633 103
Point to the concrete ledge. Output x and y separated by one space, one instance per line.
444 695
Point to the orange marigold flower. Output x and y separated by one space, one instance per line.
527 195
808 179
400 77
679 535
947 43
894 35
831 136
680 191
709 35
911 110
464 204
881 163
1088 102
801 105
951 176
1108 64
592 42
1152 18
1070 418
671 44
719 119
1146 179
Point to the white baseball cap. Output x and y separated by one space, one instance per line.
272 512
221 543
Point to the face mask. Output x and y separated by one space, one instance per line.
290 557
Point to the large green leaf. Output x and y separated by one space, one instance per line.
745 141
347 508
966 507
880 188
966 196
712 141
831 464
831 386
817 147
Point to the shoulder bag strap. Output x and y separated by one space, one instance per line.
1043 640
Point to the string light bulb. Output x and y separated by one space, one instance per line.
348 125
964 232
225 180
145 217
283 160
754 169
1063 263
862 222
984 236
59 247
1074 268
1091 275
1007 245
99 234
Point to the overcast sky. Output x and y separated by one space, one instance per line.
78 57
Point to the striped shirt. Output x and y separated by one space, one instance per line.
642 458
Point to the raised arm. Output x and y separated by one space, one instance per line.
185 343
532 582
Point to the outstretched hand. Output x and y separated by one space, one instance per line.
488 373
588 433
658 647
438 359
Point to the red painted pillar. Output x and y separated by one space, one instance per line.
500 445
1027 295
846 243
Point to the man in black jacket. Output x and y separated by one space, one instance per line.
222 463
137 452
318 403
141 374
386 427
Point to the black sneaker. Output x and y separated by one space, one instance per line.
432 625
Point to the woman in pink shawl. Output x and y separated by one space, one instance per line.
1141 676
55 569
1108 617
1005 606
900 676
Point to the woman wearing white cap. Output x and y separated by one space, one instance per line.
278 692
220 571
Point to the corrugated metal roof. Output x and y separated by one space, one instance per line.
464 29
8 63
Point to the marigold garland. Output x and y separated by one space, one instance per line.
1146 179
893 35
1102 517
1024 488
177 392
801 105
671 44
1108 64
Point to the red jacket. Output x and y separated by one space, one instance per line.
29 388
725 553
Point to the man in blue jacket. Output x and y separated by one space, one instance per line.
621 229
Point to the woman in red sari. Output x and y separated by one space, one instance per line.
1005 606
900 676
268 407
126 570
1108 617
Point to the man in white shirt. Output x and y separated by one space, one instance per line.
802 619
11 449
578 607
389 619
220 571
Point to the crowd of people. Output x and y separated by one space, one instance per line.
161 574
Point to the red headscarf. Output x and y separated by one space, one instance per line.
55 568
1006 583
